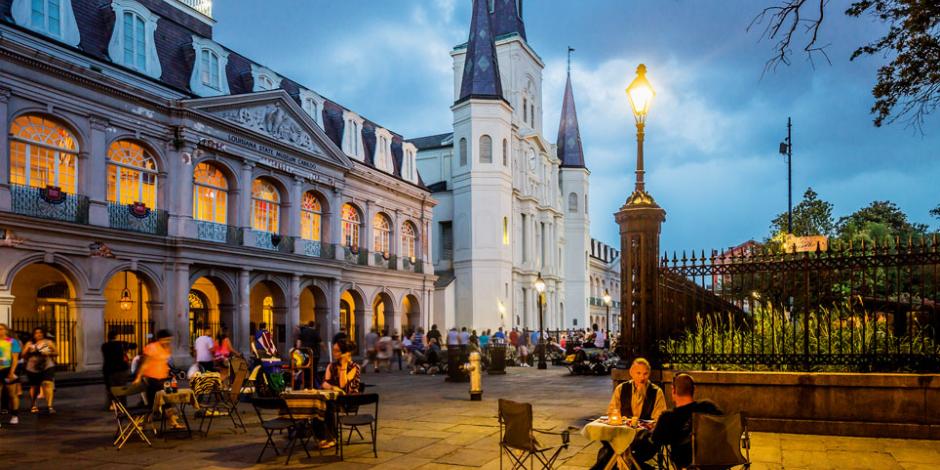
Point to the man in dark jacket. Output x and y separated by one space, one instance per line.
114 366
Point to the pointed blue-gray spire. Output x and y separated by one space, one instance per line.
481 68
569 135
506 18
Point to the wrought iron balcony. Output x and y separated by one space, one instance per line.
318 249
274 241
414 266
137 218
49 203
201 6
384 261
599 302
358 256
220 233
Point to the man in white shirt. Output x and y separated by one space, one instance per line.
204 347
600 339
464 337
453 338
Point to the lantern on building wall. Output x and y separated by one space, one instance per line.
125 302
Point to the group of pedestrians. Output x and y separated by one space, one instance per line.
31 364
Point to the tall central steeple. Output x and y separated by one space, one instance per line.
570 151
507 17
481 67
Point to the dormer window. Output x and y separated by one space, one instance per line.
409 168
132 44
208 78
264 79
54 18
352 135
383 150
312 104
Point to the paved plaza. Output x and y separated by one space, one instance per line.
424 423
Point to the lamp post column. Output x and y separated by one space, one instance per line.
542 364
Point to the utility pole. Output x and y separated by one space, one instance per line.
786 149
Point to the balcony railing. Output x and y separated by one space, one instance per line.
49 203
137 218
360 256
413 266
599 302
202 6
220 233
274 241
384 261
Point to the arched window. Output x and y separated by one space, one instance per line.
573 203
351 225
505 153
210 194
381 232
408 241
310 216
132 174
486 149
463 152
135 41
43 153
265 206
209 62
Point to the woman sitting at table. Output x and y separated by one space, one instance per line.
342 375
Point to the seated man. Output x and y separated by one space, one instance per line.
674 427
636 397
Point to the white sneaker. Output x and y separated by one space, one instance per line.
15 420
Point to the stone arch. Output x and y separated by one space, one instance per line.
383 310
410 311
314 305
220 290
352 311
268 303
155 151
78 279
151 277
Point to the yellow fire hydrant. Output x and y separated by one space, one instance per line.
476 377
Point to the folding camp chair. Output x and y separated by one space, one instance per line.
225 402
130 421
516 437
284 421
716 443
348 416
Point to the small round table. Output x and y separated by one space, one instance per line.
620 437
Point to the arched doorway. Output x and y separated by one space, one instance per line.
314 307
42 298
127 308
210 306
383 313
351 314
410 314
268 305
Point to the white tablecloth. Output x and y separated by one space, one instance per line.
619 437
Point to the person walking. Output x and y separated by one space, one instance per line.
204 347
10 350
115 367
371 339
40 354
154 370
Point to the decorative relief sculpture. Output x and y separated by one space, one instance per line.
274 121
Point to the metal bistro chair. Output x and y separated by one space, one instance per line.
130 421
284 421
516 437
225 402
716 443
348 416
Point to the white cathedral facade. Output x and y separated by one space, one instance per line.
512 205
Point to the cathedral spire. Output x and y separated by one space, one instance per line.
506 17
569 135
481 68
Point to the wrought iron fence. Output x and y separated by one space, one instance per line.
384 261
274 241
130 331
62 331
358 256
49 203
414 266
859 307
220 233
135 218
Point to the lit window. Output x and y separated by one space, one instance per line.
266 207
132 175
311 214
351 225
43 153
486 149
132 43
210 194
408 241
381 231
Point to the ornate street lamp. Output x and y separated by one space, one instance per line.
641 94
540 287
607 302
126 302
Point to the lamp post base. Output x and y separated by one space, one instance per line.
543 365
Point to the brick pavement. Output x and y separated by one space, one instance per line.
424 423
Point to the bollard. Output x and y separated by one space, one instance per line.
476 377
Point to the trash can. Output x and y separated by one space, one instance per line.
455 361
497 358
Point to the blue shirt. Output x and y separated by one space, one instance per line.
484 340
500 335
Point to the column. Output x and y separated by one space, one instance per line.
336 226
89 331
6 307
243 202
92 170
240 328
293 309
180 314
6 202
333 297
427 247
292 209
366 234
395 242
395 326
178 188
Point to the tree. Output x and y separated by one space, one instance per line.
878 220
908 86
936 212
812 216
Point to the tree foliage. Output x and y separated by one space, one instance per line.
908 85
936 212
812 216
877 221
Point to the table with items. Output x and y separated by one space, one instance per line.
619 436
179 400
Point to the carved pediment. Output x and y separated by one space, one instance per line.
273 120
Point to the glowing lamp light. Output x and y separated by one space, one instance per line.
540 284
607 299
126 303
641 94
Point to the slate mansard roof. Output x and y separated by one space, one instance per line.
174 44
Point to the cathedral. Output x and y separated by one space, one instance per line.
512 205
